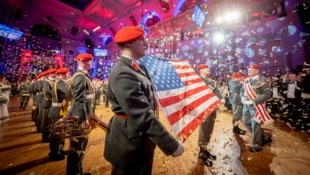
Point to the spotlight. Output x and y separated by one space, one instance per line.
96 28
218 37
86 32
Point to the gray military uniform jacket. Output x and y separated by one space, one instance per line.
261 88
212 85
127 141
234 88
82 91
46 101
59 93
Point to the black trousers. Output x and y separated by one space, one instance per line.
24 101
56 144
75 155
206 129
143 167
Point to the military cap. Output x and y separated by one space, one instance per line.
84 57
62 70
236 75
51 71
202 66
128 34
253 66
44 73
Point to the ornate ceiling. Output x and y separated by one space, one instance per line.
78 19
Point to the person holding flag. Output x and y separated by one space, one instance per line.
134 130
254 93
207 125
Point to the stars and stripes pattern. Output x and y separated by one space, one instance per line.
182 94
261 113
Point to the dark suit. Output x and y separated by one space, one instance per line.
82 106
130 142
296 105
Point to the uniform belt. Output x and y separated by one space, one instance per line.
236 94
57 104
25 95
90 96
121 116
247 102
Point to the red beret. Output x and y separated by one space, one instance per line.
62 70
236 75
51 71
202 66
84 57
253 66
44 73
38 76
127 34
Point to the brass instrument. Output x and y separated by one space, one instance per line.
69 127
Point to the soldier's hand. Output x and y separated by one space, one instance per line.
86 125
179 151
223 100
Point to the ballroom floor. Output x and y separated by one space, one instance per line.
23 153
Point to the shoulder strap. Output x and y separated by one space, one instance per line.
55 89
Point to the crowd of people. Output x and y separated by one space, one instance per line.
134 130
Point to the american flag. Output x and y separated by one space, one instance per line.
182 94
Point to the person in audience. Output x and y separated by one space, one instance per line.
4 99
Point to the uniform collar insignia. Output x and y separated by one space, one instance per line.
135 65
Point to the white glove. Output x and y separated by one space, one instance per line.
223 100
179 151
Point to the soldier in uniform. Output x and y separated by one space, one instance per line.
134 130
38 91
24 91
207 125
235 85
59 94
46 102
263 93
34 94
83 92
98 85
